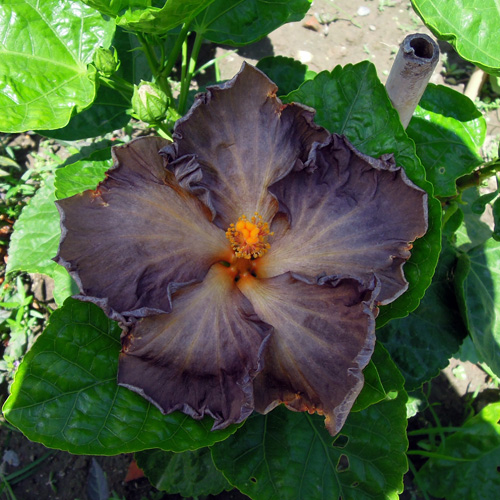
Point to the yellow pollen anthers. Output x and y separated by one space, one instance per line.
248 238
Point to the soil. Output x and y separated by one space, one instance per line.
333 33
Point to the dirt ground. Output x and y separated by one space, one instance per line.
337 32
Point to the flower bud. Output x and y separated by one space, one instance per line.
106 61
150 103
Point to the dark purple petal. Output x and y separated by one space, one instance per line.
323 338
352 216
202 357
139 236
238 139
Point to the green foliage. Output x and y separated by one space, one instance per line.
287 73
65 393
468 25
352 101
290 455
190 474
466 464
59 39
243 22
448 132
53 79
422 343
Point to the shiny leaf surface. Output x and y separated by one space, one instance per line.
45 50
471 26
65 393
448 132
245 21
142 15
352 101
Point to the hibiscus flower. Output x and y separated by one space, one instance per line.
246 259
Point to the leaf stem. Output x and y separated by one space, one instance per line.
119 84
174 54
188 71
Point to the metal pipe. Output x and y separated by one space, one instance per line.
412 69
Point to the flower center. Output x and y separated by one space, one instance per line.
248 238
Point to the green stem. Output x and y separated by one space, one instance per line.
186 79
478 176
174 54
431 454
118 83
155 65
6 484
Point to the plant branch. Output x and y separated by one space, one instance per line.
174 54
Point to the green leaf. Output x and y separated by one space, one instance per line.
65 394
45 51
448 132
471 26
290 455
352 101
473 231
107 113
80 176
146 16
422 343
36 234
190 474
474 472
287 73
241 22
481 296
35 240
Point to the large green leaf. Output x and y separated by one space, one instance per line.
422 343
481 296
471 26
290 455
448 132
147 16
353 102
241 22
472 472
190 474
45 49
35 240
65 393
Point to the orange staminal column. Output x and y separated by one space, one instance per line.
248 238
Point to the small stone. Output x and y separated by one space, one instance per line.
10 457
363 11
304 56
372 27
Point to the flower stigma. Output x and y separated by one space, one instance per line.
248 238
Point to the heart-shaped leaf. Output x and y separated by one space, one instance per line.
45 51
65 394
